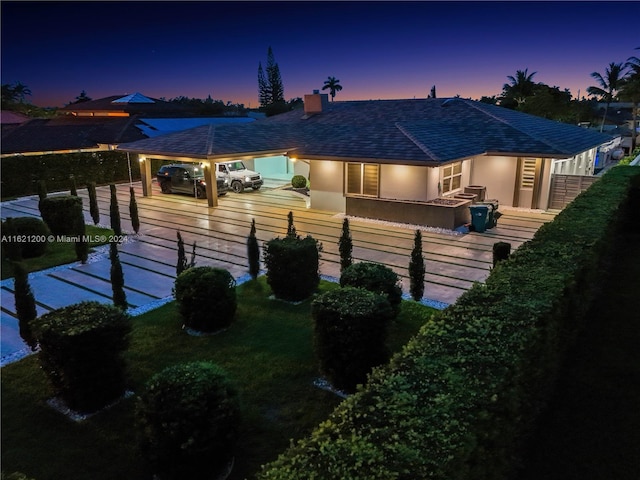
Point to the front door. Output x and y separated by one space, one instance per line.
528 183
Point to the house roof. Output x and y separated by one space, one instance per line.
420 131
7 117
132 104
69 133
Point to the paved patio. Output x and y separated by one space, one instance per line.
453 262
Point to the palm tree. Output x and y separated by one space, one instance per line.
519 87
630 90
332 84
21 91
608 85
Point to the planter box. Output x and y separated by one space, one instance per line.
449 213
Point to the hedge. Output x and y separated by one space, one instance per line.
458 400
56 169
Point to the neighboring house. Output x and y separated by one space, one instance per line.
99 125
390 158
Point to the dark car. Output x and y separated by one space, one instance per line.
187 178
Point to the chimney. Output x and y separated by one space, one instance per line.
315 103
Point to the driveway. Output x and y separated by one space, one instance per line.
453 262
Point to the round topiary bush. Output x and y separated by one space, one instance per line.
187 419
292 265
350 333
298 181
34 231
206 298
81 349
376 278
63 214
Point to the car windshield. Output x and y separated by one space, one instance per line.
235 166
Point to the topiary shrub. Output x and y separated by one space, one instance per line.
292 265
63 214
187 418
298 181
206 298
81 353
376 278
501 251
35 231
253 251
350 332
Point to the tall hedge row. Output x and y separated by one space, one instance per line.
463 393
55 171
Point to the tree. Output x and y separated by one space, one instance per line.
345 246
253 251
83 97
518 89
93 203
192 260
608 85
270 89
331 84
417 268
117 278
133 211
630 91
25 303
114 212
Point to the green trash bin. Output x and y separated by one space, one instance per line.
479 215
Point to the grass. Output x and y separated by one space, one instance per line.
268 352
58 253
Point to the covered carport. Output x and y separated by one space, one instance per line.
208 145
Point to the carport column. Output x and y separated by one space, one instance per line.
145 175
212 184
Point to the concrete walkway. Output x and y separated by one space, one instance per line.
453 261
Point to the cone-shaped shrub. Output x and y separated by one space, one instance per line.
292 265
10 248
133 211
345 246
350 333
417 269
114 212
73 189
187 420
253 251
63 214
206 298
42 190
291 229
81 353
93 203
376 278
25 303
117 278
181 266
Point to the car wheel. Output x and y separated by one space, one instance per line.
201 192
165 187
237 187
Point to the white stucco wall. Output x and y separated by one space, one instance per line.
403 182
327 184
498 174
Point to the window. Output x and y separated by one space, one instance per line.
528 177
362 179
451 177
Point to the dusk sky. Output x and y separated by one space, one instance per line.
378 50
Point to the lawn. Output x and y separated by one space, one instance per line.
58 253
267 351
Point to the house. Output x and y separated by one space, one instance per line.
392 159
101 124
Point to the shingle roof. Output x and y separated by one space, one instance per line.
428 131
115 103
69 133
